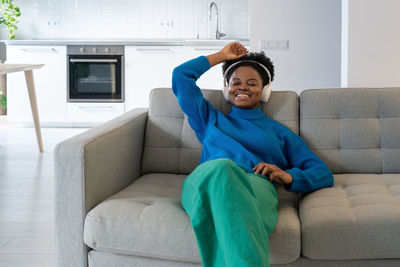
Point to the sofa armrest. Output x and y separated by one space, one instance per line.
89 168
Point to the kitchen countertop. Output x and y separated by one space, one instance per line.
133 42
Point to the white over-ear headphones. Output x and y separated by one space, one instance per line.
266 92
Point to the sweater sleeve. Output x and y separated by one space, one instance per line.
309 172
189 95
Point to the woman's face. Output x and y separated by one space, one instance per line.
245 88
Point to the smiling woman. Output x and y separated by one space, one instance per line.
231 197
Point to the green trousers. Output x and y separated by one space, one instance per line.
232 213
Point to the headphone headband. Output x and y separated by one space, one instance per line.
246 60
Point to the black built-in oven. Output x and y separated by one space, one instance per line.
95 73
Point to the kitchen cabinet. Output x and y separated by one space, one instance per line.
167 19
93 112
213 78
148 67
50 84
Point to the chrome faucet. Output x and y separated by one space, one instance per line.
218 34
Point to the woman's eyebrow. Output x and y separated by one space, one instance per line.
239 79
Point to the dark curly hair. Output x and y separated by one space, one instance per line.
259 57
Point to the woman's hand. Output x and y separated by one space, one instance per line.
274 173
231 51
234 50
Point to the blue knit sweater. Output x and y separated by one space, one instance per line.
246 136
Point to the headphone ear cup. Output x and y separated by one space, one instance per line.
266 93
226 93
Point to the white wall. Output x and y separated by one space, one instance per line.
313 28
373 43
124 19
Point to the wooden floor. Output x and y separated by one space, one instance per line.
27 195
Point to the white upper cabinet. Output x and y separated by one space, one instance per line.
167 19
174 19
161 19
50 83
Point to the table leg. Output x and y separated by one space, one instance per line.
32 97
3 87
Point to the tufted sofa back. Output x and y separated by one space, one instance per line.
354 130
171 146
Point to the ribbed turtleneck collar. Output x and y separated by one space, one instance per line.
249 114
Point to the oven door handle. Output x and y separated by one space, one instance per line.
95 107
94 60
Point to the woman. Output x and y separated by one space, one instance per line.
231 196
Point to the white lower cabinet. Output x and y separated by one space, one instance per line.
148 67
93 112
213 78
50 84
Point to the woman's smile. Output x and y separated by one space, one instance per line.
242 96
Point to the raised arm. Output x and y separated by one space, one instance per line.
190 98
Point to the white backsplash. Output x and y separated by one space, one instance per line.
125 19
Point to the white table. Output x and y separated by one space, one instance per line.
27 68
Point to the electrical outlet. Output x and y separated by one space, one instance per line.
283 44
274 44
263 45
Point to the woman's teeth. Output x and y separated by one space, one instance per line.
242 95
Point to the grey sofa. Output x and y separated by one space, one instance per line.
118 185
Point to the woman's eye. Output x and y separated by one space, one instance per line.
235 83
252 84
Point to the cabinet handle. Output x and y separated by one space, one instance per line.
94 60
39 50
206 49
95 107
153 50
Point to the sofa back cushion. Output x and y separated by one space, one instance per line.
354 130
171 145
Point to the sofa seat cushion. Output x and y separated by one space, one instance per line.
146 219
357 218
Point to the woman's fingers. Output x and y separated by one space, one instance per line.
274 173
237 47
262 168
234 50
240 49
259 165
265 171
258 169
255 167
